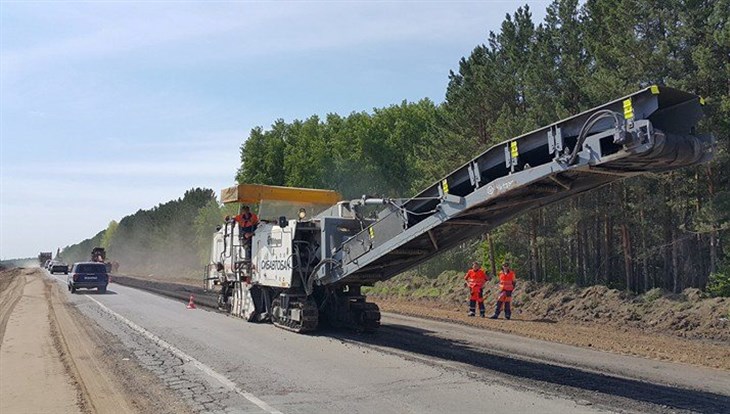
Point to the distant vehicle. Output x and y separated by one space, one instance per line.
44 258
88 275
47 263
58 267
98 254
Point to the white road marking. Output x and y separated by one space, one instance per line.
182 355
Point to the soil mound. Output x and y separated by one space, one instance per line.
689 315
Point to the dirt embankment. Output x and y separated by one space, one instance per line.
55 360
655 325
37 375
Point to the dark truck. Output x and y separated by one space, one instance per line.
98 255
44 258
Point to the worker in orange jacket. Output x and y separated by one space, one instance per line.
247 222
506 286
475 279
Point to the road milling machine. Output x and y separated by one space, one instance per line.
312 252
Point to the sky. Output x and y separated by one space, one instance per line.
110 107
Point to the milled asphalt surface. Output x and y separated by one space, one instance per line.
605 366
411 365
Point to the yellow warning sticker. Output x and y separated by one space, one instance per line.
371 231
628 109
514 152
654 90
445 186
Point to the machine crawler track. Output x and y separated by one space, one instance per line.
308 320
370 317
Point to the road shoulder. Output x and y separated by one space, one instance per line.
36 374
118 383
50 345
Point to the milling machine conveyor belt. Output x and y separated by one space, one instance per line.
652 130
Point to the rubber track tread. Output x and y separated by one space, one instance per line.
310 319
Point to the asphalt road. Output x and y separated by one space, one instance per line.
221 364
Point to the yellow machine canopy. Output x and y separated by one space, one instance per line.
275 201
255 193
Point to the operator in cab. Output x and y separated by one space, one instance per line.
247 222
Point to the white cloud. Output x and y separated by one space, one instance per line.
212 155
206 141
251 29
46 212
70 181
66 202
115 35
205 167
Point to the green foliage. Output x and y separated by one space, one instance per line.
159 241
109 234
412 285
262 157
209 217
81 252
378 153
458 258
719 283
427 292
653 295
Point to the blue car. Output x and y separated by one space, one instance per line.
88 275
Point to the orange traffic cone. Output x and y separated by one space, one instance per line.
191 304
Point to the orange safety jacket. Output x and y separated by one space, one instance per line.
507 280
475 279
249 221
